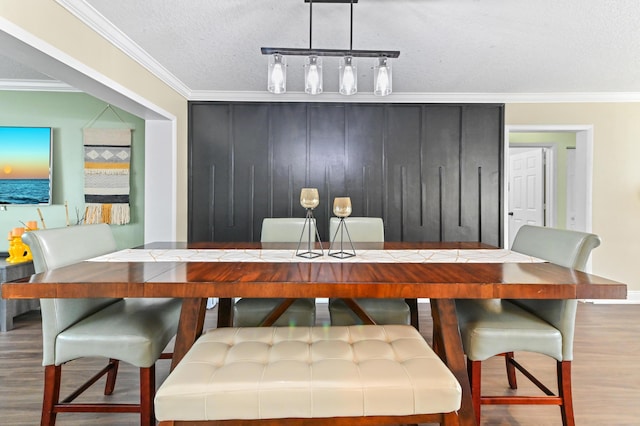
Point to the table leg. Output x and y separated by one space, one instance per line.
225 312
413 309
276 312
189 328
357 309
450 350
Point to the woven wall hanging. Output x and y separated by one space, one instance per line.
107 154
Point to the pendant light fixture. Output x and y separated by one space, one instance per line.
313 75
382 77
348 75
277 75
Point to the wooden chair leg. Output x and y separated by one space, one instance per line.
147 394
52 374
564 389
111 376
511 370
474 368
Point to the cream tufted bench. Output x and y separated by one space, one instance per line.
367 374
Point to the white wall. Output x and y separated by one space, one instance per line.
616 177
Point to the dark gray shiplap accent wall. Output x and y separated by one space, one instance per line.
432 172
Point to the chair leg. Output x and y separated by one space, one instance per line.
474 369
52 374
111 376
511 370
564 389
147 394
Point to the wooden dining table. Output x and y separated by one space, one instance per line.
441 283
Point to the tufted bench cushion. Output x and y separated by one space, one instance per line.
305 372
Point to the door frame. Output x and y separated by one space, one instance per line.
584 169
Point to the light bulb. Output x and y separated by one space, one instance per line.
348 76
312 78
382 75
313 75
277 76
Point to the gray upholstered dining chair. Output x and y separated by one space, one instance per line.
382 311
131 330
251 312
502 327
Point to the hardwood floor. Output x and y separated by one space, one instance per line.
606 379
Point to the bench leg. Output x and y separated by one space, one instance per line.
450 419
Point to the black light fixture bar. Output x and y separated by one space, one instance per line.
331 1
290 51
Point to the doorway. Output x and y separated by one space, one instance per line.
577 202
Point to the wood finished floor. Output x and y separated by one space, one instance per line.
606 378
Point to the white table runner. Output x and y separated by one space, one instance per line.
362 256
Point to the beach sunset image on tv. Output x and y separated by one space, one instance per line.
25 154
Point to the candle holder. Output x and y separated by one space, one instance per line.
309 199
342 209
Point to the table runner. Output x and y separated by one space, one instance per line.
284 256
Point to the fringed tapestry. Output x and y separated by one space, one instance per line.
107 154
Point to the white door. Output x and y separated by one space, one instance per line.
526 188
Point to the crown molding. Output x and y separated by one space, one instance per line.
97 22
36 86
507 98
208 95
570 97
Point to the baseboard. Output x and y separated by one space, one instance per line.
633 298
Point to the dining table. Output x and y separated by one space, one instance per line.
439 271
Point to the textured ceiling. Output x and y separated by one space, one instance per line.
13 70
459 46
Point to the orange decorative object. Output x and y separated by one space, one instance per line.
18 250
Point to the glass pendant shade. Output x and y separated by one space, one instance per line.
313 75
382 78
348 76
277 75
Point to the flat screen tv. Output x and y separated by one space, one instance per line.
25 165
